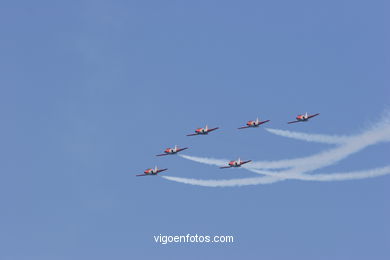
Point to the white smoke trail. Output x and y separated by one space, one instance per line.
329 176
332 156
347 176
225 183
223 162
272 179
205 160
327 139
380 133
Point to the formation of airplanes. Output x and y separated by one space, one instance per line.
206 130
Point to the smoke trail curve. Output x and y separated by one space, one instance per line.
319 138
272 179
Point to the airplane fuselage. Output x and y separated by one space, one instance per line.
302 118
253 124
170 151
150 172
201 131
153 171
234 164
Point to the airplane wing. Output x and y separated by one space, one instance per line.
293 122
212 129
243 127
163 154
313 115
245 162
140 175
263 122
161 170
192 134
224 167
181 149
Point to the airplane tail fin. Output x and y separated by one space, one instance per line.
257 120
206 128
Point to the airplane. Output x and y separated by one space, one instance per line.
253 123
152 171
237 163
203 131
174 150
303 118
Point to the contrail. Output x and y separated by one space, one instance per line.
326 139
272 179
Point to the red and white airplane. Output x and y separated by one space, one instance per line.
152 171
254 123
203 131
174 150
303 118
237 163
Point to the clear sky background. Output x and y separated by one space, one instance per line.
90 91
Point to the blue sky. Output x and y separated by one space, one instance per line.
92 90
